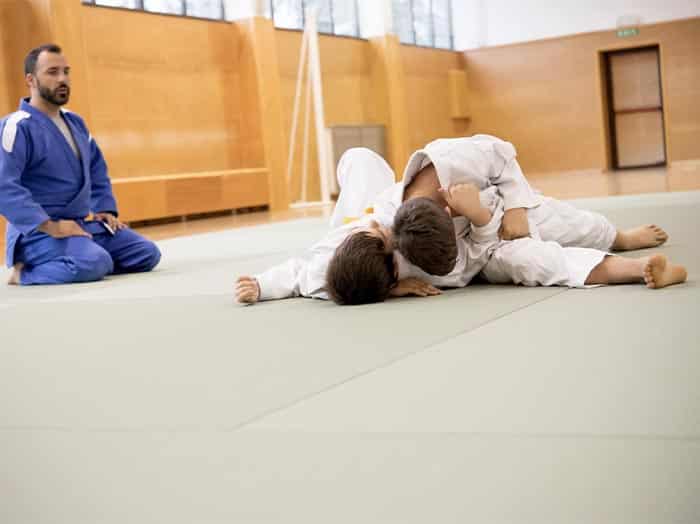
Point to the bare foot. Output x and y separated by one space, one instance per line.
16 273
659 272
639 238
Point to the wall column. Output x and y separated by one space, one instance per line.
262 102
389 82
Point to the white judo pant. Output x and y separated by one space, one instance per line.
564 246
362 176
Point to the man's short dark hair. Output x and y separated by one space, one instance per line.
424 234
361 271
33 56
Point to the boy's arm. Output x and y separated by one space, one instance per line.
510 180
293 278
463 200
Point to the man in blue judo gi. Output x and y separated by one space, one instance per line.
52 178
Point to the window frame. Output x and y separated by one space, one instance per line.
432 27
141 9
356 8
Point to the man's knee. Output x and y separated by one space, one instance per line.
153 255
94 264
144 258
89 266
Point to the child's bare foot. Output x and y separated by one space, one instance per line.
639 238
16 273
659 272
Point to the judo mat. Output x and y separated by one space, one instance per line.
156 398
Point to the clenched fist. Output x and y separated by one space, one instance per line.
247 290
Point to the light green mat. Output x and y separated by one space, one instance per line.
155 398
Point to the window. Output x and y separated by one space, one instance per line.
212 9
423 22
335 17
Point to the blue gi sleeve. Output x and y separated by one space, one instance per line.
16 201
101 197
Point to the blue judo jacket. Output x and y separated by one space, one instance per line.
41 178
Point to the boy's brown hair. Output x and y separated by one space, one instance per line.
361 271
424 234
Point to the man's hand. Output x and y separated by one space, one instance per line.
413 286
112 221
463 200
247 290
515 224
63 229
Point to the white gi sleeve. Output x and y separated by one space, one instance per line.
509 178
294 278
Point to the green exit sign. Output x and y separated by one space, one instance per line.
630 31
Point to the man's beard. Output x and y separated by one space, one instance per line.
53 96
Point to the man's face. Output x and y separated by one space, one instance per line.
375 229
51 78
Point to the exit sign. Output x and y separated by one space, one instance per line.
630 31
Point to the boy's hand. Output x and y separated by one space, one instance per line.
515 224
413 286
247 290
463 200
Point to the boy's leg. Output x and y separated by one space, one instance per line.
47 260
532 262
571 227
639 238
362 176
537 263
561 222
655 271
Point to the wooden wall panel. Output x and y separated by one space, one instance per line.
428 94
163 92
23 25
264 102
546 96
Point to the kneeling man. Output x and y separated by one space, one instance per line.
52 178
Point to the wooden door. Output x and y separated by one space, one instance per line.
636 108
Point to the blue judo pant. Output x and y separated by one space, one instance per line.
49 260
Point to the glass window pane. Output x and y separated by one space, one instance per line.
442 24
205 8
175 7
423 22
403 20
325 23
288 14
129 4
345 18
267 9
